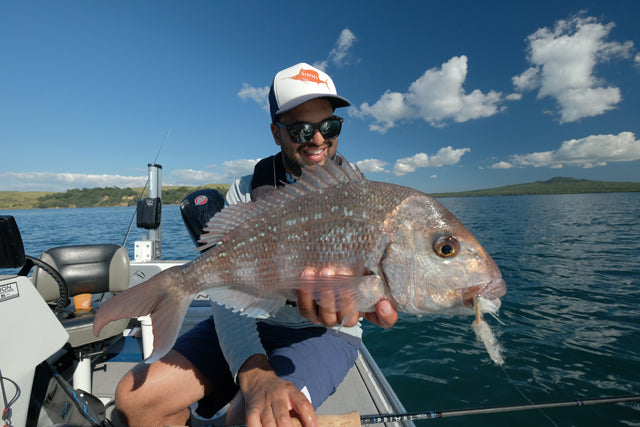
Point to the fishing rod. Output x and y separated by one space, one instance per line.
126 236
353 419
428 415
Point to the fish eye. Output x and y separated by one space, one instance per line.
446 246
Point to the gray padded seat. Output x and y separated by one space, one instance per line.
93 269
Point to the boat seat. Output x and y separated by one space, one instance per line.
97 269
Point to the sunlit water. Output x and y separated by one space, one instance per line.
571 314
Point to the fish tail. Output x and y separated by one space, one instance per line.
155 297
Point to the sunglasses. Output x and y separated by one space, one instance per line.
302 132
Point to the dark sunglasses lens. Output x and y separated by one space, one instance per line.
297 132
305 134
330 128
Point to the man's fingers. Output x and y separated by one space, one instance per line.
309 272
385 315
281 414
334 306
307 305
304 411
327 308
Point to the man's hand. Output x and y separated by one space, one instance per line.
268 399
384 316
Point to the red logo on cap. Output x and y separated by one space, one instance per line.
309 76
200 200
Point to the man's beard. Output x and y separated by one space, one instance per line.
295 166
292 165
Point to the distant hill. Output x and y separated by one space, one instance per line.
94 197
114 196
557 185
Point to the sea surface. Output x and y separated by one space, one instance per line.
570 319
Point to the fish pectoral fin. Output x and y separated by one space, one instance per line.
341 292
166 320
247 304
167 310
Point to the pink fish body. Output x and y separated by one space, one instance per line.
397 242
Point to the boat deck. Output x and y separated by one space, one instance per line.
364 389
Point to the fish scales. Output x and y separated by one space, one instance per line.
343 227
397 243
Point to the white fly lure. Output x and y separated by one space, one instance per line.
484 332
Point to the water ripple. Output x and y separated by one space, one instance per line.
571 318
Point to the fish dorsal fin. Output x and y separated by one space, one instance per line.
318 178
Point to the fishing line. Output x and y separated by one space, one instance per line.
126 236
162 145
525 396
484 334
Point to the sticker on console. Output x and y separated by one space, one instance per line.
9 291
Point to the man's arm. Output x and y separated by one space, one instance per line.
237 334
264 398
238 337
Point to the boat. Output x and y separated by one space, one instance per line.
54 371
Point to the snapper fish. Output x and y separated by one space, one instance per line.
398 244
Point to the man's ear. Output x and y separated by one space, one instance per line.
275 131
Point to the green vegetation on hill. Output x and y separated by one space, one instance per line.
89 197
94 197
21 199
557 185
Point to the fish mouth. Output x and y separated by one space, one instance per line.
491 290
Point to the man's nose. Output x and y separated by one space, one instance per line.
317 138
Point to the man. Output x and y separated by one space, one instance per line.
285 364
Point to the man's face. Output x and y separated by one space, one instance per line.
310 153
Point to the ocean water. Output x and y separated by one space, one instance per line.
570 319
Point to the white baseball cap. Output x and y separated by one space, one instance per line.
299 84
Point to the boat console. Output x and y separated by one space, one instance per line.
45 337
31 332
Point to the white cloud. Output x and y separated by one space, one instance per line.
339 55
239 167
562 66
501 165
196 177
371 165
435 97
390 108
258 94
592 151
50 181
529 80
444 157
232 169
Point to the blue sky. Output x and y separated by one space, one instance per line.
446 96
